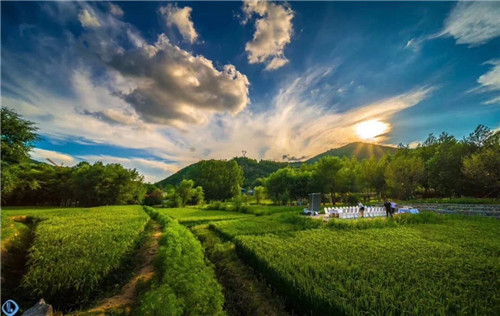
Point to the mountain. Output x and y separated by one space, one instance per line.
252 170
358 149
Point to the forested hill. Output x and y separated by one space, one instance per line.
252 170
358 149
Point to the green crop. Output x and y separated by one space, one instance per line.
192 217
185 284
74 250
276 224
446 268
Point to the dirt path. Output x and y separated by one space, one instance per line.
125 300
246 294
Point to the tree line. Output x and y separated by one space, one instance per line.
25 182
439 167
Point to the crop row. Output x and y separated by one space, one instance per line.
276 224
450 268
185 284
192 217
75 250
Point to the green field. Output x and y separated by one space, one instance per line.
412 264
448 268
276 224
192 216
75 250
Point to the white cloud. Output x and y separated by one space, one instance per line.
273 31
174 87
87 19
181 19
152 170
491 79
115 10
183 89
56 157
473 23
162 82
489 82
495 100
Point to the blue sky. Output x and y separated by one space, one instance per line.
157 86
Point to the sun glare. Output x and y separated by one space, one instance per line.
371 129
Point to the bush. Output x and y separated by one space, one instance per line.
184 283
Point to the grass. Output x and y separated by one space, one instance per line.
75 250
191 217
184 284
450 267
276 224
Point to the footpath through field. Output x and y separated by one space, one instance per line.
144 272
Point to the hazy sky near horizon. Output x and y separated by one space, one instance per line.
157 86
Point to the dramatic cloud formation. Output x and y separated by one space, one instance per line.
273 31
164 83
174 86
87 19
473 23
181 19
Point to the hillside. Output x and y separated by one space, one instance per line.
252 170
358 149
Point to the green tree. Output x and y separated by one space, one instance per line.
403 174
326 174
154 197
260 194
482 169
220 179
18 136
198 196
185 191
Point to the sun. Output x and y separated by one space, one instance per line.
371 129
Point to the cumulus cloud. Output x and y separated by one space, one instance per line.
57 157
175 87
181 19
115 10
273 31
87 19
473 23
164 83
